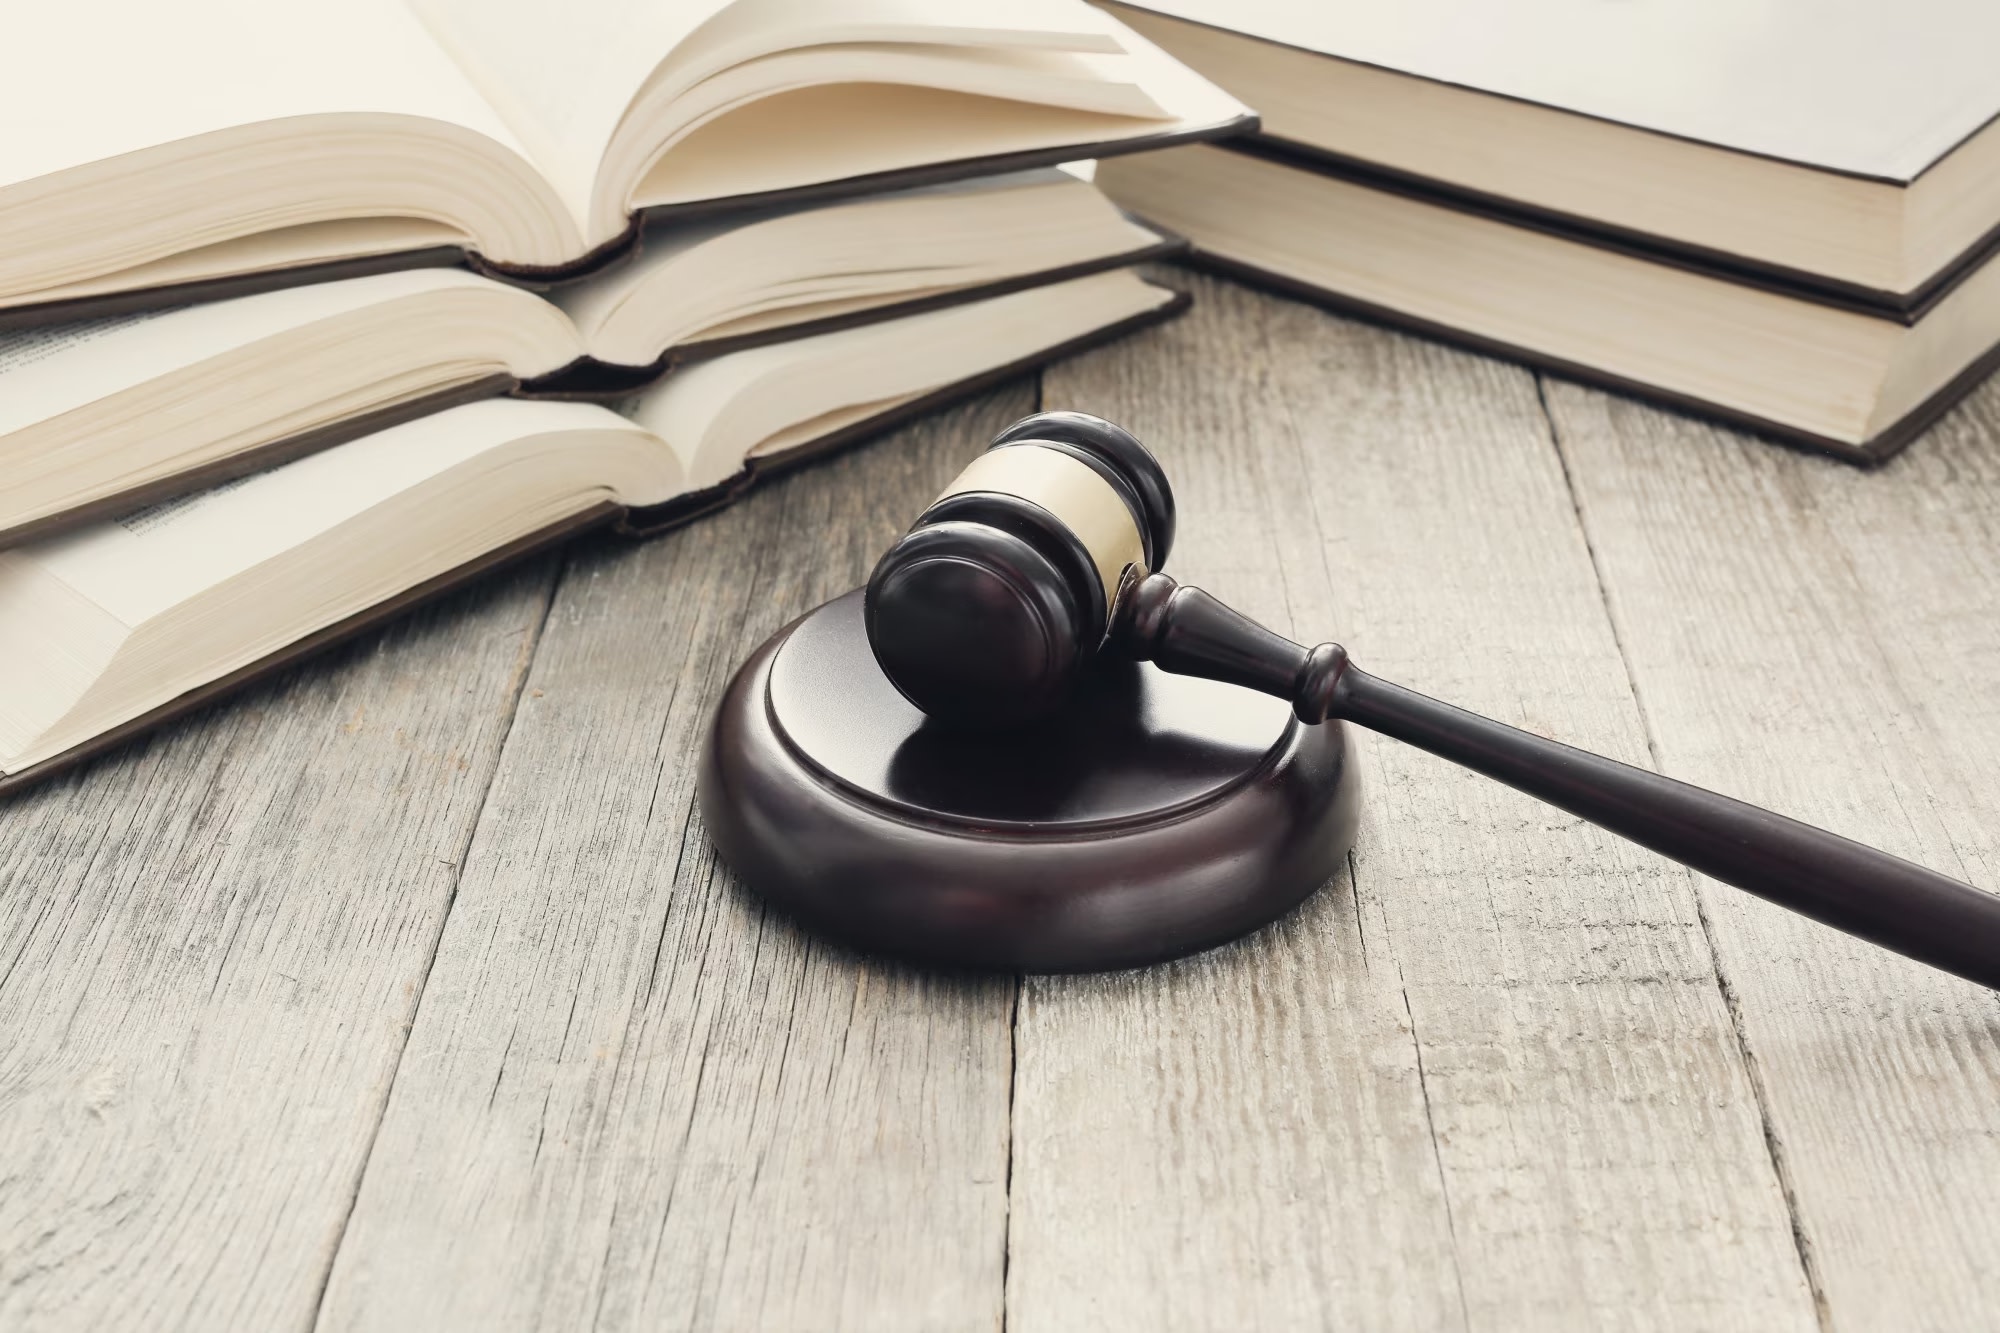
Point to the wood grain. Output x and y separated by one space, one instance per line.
634 1099
211 947
1822 641
270 1058
1492 1085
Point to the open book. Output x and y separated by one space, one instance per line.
104 415
116 626
148 146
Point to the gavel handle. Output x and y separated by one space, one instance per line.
1895 903
1844 884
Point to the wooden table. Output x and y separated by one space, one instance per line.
405 993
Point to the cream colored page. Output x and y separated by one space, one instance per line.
32 356
562 75
1084 81
757 394
852 129
141 565
265 251
592 301
46 372
746 30
84 80
565 86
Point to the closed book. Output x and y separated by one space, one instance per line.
1852 382
1838 148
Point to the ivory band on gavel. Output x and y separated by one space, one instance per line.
1073 491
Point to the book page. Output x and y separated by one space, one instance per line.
19 351
265 251
699 281
142 564
747 30
565 86
837 130
562 77
85 80
594 299
716 413
48 371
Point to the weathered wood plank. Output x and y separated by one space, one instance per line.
1822 641
632 1098
211 947
1492 1083
1494 1086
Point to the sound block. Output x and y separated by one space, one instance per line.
1157 815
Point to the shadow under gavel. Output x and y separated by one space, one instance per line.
1034 563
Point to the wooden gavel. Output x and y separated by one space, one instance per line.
1045 553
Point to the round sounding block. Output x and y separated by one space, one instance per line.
1155 816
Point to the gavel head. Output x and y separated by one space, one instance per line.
984 612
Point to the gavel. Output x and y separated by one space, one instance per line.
1045 555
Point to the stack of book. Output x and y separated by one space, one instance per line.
1783 213
309 311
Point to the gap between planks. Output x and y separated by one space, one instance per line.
1732 1004
524 661
522 673
1254 1118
